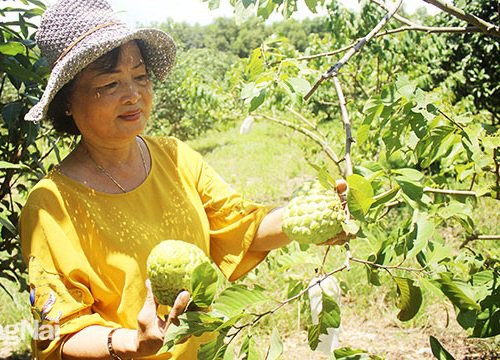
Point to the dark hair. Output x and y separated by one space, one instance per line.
56 113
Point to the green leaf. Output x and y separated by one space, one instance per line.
204 284
438 350
212 4
359 196
266 8
288 8
410 181
213 350
328 318
453 292
385 197
256 64
11 113
410 175
257 101
295 287
249 349
247 3
299 85
4 221
192 323
8 165
236 299
410 298
362 134
350 227
405 87
373 109
425 231
311 5
276 347
12 48
346 353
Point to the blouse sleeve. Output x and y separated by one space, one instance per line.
233 220
61 301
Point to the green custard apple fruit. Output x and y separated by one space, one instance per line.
170 265
314 214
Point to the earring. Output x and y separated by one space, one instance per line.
68 113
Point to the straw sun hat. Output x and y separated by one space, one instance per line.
74 33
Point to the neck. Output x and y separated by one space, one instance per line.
112 156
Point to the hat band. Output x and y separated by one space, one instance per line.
80 38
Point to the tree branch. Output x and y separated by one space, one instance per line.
330 53
470 238
258 317
416 27
333 71
398 267
430 29
450 192
347 126
484 25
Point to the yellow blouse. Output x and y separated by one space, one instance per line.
86 250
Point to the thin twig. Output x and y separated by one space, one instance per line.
451 120
417 27
396 16
484 25
333 71
450 192
258 317
398 267
330 53
303 118
430 30
473 181
324 257
317 139
496 159
479 237
347 126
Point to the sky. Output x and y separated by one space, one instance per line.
195 11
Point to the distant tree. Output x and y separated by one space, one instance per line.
251 35
471 62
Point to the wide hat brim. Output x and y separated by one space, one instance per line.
157 46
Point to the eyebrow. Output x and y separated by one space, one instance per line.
114 71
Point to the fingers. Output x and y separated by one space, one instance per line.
148 312
180 305
150 298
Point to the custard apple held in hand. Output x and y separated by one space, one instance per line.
314 214
170 266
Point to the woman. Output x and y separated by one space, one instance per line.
88 226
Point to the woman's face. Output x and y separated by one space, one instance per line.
109 106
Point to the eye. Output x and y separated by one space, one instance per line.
142 78
110 85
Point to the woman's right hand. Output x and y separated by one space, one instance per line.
151 328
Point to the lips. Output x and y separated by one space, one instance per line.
131 115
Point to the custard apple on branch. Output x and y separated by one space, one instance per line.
314 214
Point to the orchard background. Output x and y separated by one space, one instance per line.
406 108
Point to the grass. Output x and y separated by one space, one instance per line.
264 165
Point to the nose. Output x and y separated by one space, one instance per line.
131 93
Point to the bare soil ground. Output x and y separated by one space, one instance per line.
383 337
